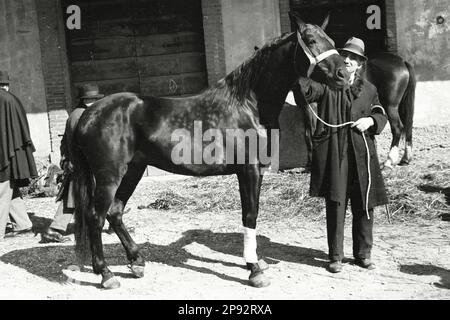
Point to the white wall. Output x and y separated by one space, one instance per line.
40 133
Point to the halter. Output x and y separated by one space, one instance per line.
313 61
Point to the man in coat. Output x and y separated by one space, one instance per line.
17 165
339 170
55 232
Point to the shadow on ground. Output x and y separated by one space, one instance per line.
427 270
39 223
49 261
428 188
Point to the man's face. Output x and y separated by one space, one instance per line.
4 86
88 102
352 62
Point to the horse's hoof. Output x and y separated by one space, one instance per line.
259 281
404 162
137 271
111 283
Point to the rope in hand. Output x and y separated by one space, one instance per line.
367 150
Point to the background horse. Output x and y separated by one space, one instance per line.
121 134
396 83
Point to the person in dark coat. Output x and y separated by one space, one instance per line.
88 94
17 165
339 170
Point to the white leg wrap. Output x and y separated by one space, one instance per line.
394 156
250 245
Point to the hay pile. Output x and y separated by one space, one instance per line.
420 193
282 195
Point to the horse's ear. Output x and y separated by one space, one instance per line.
301 25
325 21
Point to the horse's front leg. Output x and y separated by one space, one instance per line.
250 180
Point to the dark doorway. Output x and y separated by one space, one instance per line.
346 20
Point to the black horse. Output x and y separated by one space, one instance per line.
121 134
396 84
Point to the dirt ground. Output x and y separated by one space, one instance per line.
198 255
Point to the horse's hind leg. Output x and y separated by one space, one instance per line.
104 194
396 128
124 192
408 155
250 180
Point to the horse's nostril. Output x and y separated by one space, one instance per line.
340 74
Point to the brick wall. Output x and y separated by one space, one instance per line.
55 69
214 40
285 22
391 26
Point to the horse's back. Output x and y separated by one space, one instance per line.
389 74
110 121
388 65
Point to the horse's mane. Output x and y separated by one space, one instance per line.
240 82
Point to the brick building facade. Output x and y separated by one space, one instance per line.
33 38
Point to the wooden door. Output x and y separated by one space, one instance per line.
152 47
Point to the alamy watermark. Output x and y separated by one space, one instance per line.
216 146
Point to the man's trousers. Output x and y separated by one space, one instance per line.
11 203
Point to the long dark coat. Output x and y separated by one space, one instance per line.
331 145
16 147
66 191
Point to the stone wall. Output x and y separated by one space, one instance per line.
425 43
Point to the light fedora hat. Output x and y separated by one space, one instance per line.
356 46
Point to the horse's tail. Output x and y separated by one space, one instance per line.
406 107
84 185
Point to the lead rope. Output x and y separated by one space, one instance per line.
367 150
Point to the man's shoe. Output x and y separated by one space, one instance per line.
335 266
53 235
365 263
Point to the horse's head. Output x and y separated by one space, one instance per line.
318 49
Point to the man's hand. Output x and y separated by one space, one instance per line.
67 166
363 124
